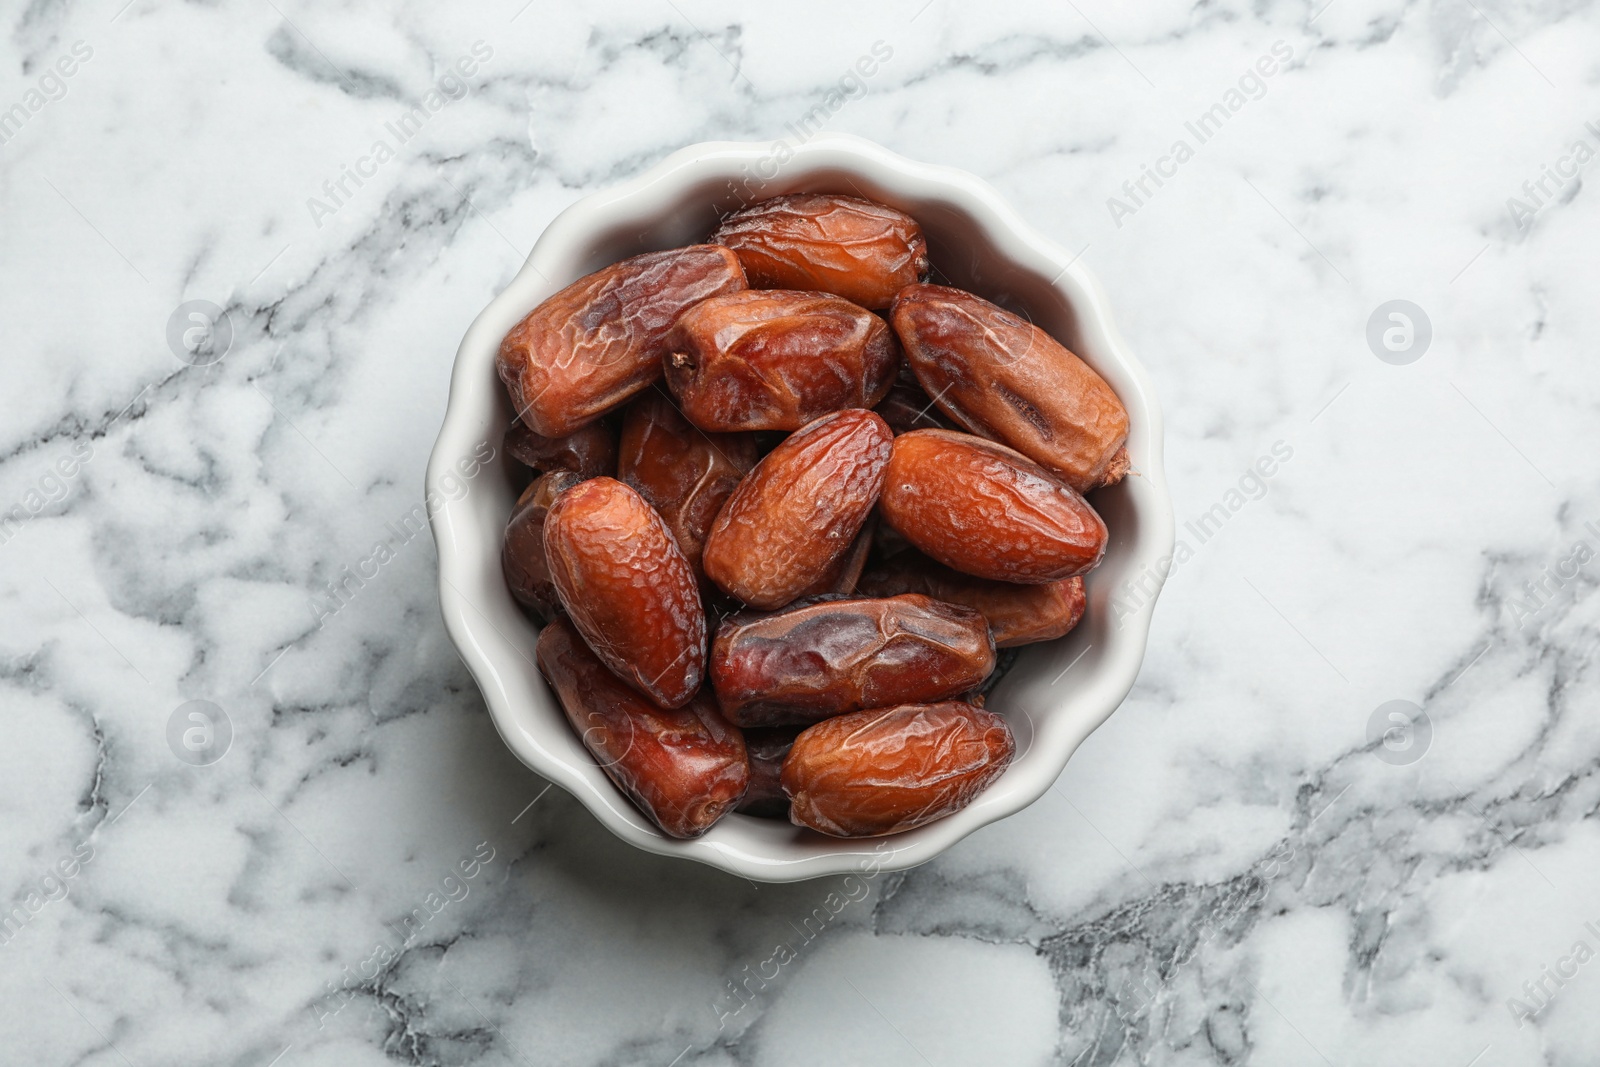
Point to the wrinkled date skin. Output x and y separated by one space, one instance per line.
767 747
800 509
908 407
684 473
598 341
1003 378
845 572
590 450
988 511
774 359
871 773
862 251
628 589
813 661
684 768
1017 614
522 554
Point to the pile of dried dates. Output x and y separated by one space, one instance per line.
789 501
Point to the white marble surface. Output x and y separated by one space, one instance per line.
1227 872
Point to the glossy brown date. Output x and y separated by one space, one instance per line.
684 768
589 347
857 249
1003 378
881 772
813 661
1017 614
774 359
627 588
685 473
988 511
589 450
522 553
767 747
800 509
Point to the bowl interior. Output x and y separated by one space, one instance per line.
1055 694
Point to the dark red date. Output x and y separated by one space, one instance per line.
1003 378
800 509
987 510
774 359
588 348
767 748
590 451
1017 614
522 553
879 772
684 768
628 589
685 473
860 250
812 661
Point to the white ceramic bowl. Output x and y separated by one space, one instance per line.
1057 692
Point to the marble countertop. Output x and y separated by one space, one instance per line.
1346 815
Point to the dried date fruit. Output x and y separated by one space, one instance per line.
685 473
988 511
685 768
879 772
522 553
774 359
766 748
815 660
1017 614
800 509
589 347
1003 378
590 450
860 250
908 407
627 588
